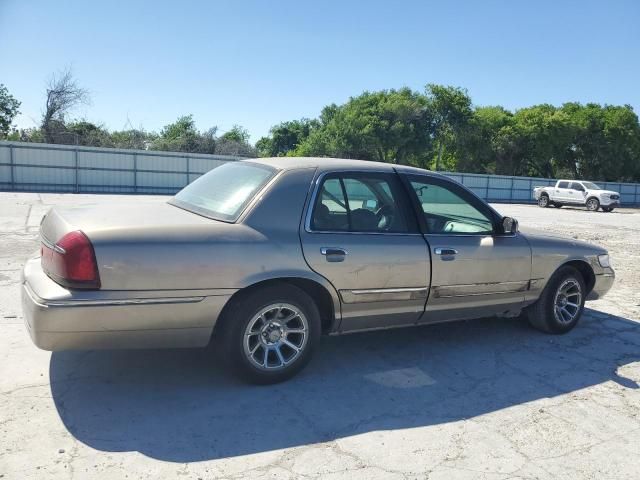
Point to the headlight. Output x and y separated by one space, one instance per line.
604 261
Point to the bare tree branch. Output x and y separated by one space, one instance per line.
63 95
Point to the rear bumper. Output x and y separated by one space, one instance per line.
60 319
603 284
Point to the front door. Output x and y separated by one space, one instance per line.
360 233
476 270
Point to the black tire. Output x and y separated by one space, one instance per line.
543 200
593 204
607 209
557 205
230 332
542 314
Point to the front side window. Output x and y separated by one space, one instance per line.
577 186
224 192
591 186
448 209
360 203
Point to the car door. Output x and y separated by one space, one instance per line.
577 193
361 234
562 192
475 270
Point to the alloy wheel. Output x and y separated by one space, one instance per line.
567 302
276 336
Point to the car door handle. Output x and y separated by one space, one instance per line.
445 251
334 254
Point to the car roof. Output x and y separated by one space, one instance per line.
331 164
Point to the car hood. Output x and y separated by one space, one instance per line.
603 192
544 239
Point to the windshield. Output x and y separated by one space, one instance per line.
591 186
224 192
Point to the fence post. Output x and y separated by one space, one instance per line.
11 167
135 173
75 161
188 170
486 190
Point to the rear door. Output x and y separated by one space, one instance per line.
476 270
562 192
360 233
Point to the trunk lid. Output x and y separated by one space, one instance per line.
98 221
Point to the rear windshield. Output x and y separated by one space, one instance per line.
224 192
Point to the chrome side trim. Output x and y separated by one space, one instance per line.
388 290
106 303
477 289
51 245
130 301
384 295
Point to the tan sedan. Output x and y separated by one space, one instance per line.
264 256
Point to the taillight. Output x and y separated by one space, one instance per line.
71 262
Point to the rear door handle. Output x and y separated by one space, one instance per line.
334 254
445 251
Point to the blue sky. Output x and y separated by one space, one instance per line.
257 63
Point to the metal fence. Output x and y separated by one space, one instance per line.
36 167
507 189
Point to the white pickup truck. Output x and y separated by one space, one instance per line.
577 192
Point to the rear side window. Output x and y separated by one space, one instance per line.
224 192
365 203
563 185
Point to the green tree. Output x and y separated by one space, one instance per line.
236 142
183 136
451 113
9 109
90 134
285 137
484 148
386 126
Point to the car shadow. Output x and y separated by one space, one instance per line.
181 406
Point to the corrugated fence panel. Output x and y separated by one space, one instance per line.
5 167
40 167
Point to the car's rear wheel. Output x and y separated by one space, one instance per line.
561 303
543 201
593 204
269 335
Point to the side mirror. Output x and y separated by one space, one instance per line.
509 225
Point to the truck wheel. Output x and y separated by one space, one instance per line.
269 335
557 205
561 303
543 201
607 209
593 204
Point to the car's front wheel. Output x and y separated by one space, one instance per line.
561 303
269 334
593 204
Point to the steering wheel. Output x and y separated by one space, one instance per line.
385 216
